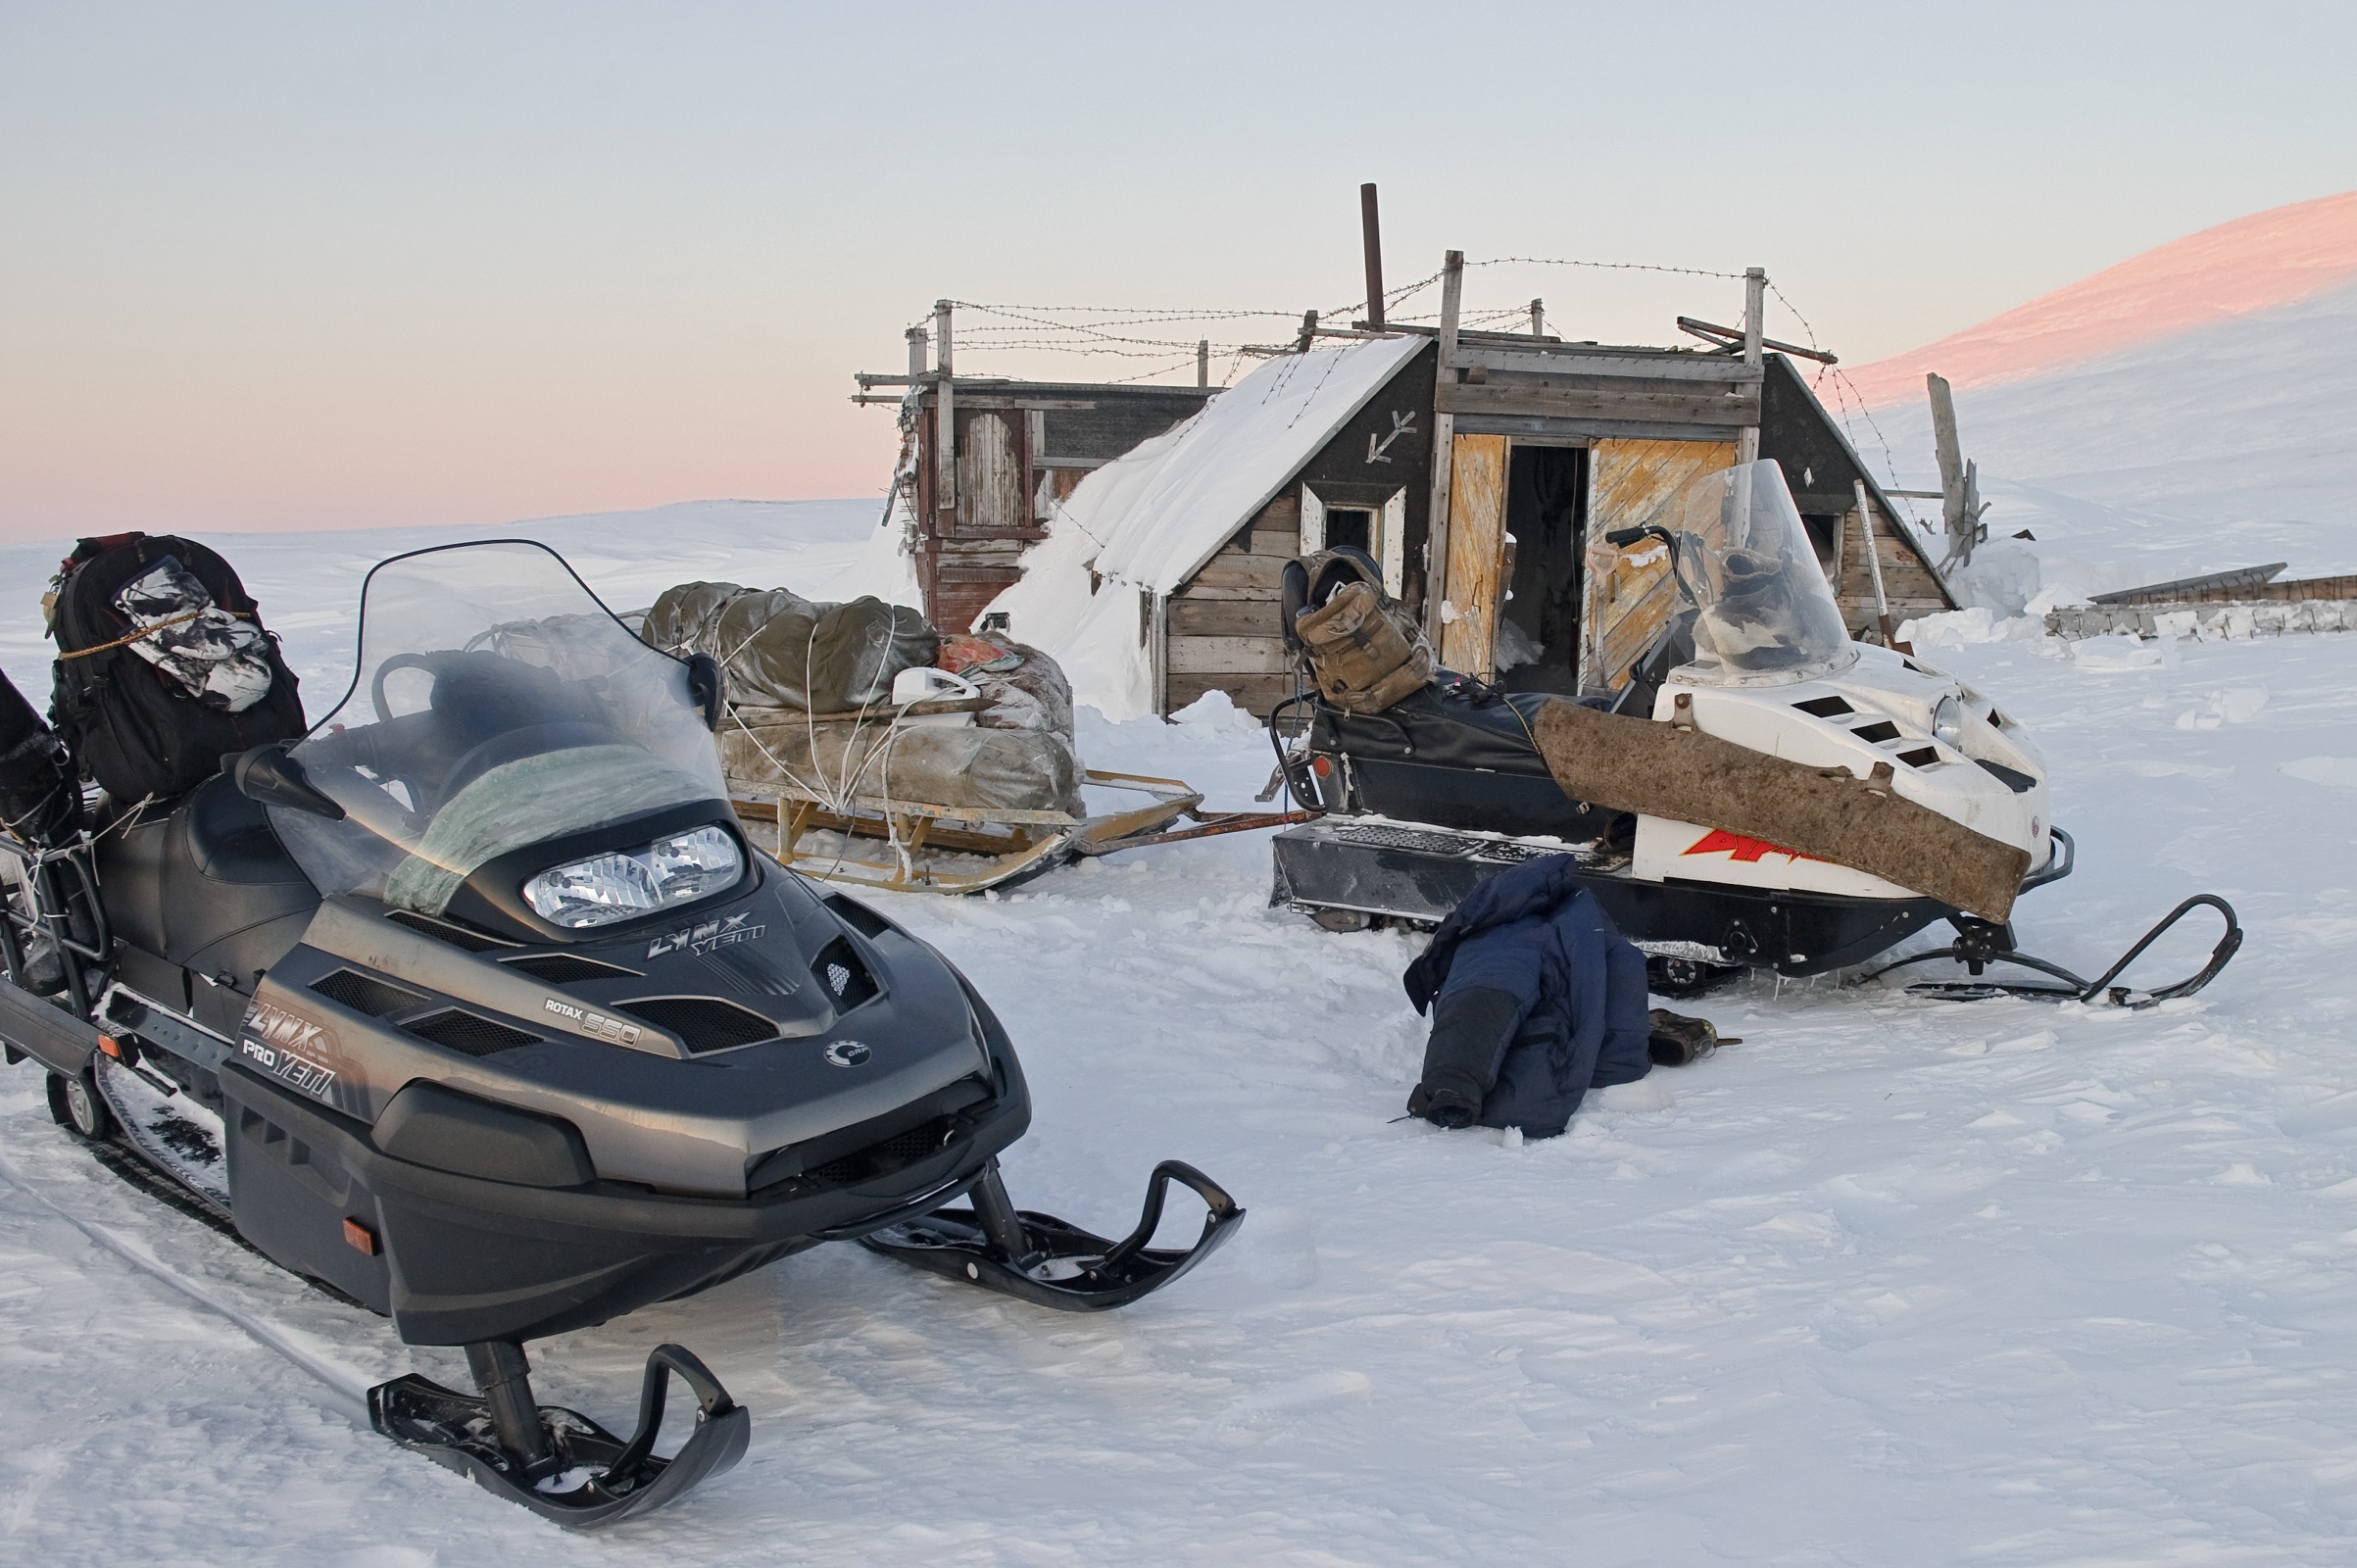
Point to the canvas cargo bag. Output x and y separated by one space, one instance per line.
163 666
1364 650
784 651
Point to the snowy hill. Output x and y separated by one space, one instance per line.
2186 410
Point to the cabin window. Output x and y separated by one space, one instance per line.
1364 518
1351 525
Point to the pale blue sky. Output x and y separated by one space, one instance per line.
320 265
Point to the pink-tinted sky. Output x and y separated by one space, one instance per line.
316 265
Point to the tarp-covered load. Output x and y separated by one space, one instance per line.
784 651
810 704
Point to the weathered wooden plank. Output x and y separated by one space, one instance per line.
1225 617
1255 694
1253 655
1590 403
1680 368
1909 584
1630 592
1477 512
1198 589
1234 570
990 472
1282 511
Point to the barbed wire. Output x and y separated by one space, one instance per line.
1845 391
1602 266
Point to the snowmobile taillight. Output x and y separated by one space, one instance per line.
360 1238
605 888
1323 767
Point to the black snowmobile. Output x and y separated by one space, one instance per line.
1437 792
474 1004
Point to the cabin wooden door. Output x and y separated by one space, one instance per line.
1476 566
1630 591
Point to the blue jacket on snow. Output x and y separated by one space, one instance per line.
1535 999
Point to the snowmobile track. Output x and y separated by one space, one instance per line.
349 1391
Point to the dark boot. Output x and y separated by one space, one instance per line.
1677 1040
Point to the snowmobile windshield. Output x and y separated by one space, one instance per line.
1766 616
499 706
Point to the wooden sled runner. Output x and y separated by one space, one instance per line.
910 845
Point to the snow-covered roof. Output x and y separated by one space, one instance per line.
1161 511
1146 520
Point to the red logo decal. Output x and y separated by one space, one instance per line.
1737 848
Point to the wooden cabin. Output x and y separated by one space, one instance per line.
976 501
1482 470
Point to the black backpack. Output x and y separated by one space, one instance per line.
132 727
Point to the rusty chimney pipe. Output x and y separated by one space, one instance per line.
1371 231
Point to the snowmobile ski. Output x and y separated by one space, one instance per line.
557 1462
1051 1263
1980 942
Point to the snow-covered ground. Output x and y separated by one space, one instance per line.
1893 1281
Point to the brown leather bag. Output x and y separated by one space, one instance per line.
1365 651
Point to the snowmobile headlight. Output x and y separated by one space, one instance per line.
605 888
1947 722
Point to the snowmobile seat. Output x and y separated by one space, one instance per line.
203 900
1457 754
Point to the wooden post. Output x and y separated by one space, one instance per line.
1203 362
1538 319
1444 438
1874 563
919 344
1755 310
1157 656
1370 232
945 417
1955 507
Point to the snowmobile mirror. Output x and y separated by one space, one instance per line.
268 775
707 683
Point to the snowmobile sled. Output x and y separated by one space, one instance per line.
474 1005
1758 791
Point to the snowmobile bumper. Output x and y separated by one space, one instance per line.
457 1258
1418 873
1051 1263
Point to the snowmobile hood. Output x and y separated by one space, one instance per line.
684 1056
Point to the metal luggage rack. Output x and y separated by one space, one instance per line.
1429 841
60 891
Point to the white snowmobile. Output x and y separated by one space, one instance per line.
1690 829
474 1005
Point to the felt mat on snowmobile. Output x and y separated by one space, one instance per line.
1641 764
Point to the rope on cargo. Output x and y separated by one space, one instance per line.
150 629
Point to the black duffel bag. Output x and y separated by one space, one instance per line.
40 800
163 666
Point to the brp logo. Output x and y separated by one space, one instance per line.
848 1052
